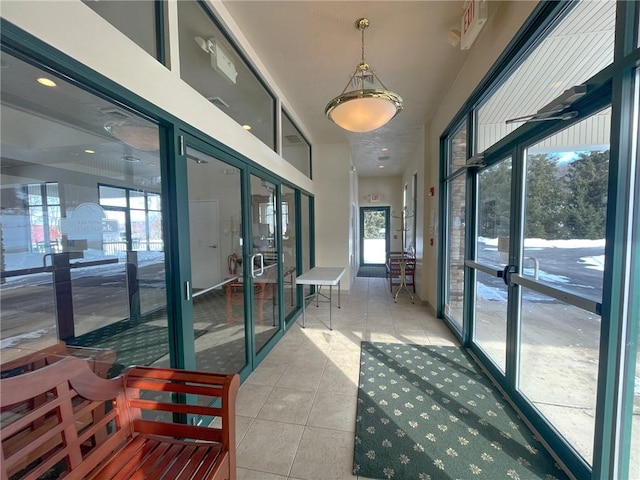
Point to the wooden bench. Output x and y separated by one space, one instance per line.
141 430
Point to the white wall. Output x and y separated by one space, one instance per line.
391 190
504 21
416 164
333 199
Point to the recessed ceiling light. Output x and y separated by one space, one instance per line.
385 149
380 166
47 82
246 127
88 150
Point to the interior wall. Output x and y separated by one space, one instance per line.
331 173
390 191
416 165
505 19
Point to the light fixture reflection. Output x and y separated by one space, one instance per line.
47 82
363 109
141 137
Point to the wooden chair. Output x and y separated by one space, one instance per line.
395 265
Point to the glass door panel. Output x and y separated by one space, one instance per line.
289 249
492 255
565 204
263 261
216 276
374 230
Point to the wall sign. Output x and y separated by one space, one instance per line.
473 19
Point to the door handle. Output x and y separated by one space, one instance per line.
213 246
254 270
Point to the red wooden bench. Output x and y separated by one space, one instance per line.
140 431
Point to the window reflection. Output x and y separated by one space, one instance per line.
82 247
136 19
295 149
211 65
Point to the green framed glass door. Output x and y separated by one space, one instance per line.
491 294
374 235
262 259
217 293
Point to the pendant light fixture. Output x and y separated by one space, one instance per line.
363 109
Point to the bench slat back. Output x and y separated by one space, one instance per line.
77 413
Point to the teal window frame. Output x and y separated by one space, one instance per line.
619 333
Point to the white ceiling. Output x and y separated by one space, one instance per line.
311 48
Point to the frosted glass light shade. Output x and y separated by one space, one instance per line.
363 110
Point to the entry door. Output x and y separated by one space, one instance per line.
263 260
374 235
493 222
217 290
537 272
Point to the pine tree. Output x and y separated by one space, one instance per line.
545 198
587 180
495 200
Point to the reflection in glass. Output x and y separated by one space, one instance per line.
70 272
494 208
456 252
211 65
491 317
458 149
566 205
289 250
295 148
135 18
265 260
576 49
216 266
559 365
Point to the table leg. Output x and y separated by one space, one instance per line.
330 306
338 294
304 305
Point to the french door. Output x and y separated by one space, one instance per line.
233 292
536 266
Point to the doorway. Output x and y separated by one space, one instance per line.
374 235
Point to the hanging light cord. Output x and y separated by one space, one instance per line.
362 67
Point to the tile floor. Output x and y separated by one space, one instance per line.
296 412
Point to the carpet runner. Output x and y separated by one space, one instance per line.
429 413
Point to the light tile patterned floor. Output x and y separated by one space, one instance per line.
296 412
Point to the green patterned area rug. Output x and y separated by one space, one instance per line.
429 413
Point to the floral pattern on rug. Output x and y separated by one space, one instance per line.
429 413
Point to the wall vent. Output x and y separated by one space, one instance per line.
218 102
115 113
292 139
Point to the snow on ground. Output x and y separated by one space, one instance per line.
543 243
595 263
